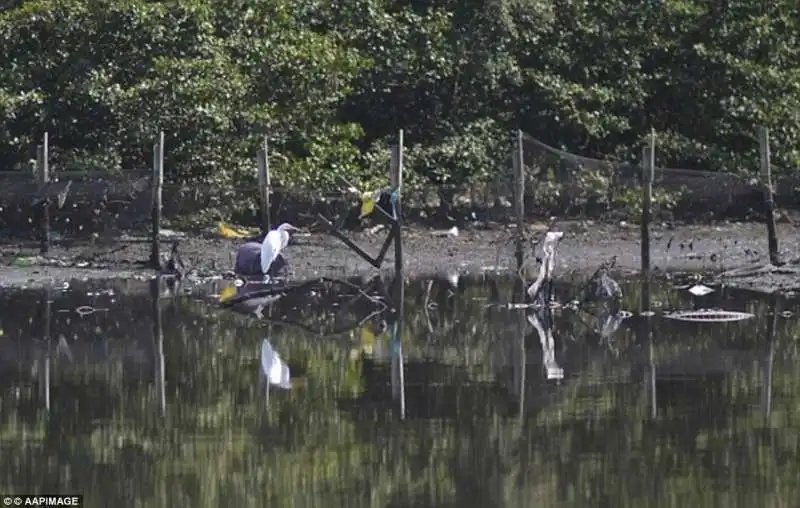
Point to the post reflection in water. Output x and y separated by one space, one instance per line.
157 402
158 344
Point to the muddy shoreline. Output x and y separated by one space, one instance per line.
586 244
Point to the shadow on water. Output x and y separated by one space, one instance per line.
157 401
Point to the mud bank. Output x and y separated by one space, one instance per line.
711 248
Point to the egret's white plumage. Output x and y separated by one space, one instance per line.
275 241
275 369
548 262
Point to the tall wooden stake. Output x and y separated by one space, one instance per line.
519 198
396 178
648 172
158 184
399 283
264 184
43 165
766 182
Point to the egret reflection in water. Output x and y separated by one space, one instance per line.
274 371
542 322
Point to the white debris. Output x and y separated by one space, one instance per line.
700 290
450 232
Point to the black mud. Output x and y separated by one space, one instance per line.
709 248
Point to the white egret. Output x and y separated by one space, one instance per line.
551 240
261 255
273 243
274 368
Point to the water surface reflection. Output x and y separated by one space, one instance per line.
159 403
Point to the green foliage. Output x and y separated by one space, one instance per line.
331 84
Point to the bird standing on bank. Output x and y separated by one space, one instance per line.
262 258
546 269
275 241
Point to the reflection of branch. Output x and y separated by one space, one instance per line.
320 333
285 290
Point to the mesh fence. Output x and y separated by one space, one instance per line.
563 183
81 205
117 207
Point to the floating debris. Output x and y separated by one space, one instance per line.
449 232
85 310
514 306
709 315
700 290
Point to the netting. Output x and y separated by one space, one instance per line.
563 183
204 205
116 207
81 205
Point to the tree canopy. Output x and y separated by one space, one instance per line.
331 83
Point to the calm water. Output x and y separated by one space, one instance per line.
158 405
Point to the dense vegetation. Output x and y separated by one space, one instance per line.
332 82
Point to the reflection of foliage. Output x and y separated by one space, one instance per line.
219 443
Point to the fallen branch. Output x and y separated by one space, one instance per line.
376 261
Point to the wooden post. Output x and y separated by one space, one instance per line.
396 178
519 199
158 183
264 184
766 182
648 171
398 376
43 166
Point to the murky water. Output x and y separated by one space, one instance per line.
137 404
